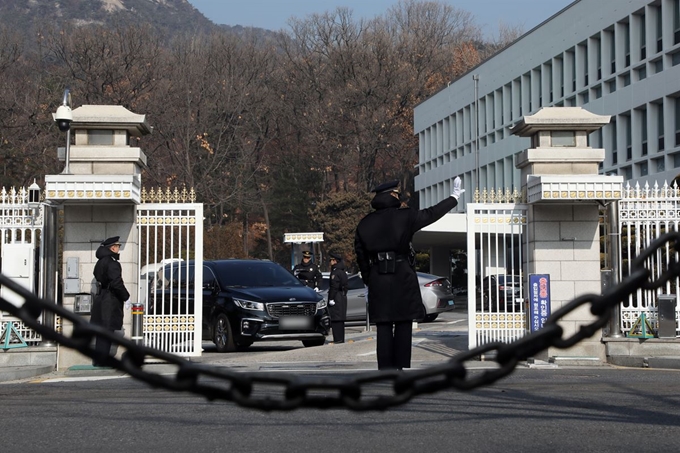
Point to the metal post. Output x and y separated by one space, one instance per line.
615 258
67 170
138 323
50 247
475 77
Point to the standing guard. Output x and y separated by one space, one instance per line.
308 272
383 244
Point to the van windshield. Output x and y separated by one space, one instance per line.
248 274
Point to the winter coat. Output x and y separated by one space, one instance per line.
308 273
337 292
393 297
107 309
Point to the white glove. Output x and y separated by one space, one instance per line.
331 302
316 289
457 191
128 304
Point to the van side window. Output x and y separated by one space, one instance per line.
209 280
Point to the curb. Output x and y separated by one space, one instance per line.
16 373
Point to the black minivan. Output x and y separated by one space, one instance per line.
245 301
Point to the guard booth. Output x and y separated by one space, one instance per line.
304 242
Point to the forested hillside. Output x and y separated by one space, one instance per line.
276 132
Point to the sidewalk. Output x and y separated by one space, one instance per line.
433 344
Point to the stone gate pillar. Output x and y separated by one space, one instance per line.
99 197
560 176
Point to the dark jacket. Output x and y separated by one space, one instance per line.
308 273
337 291
107 310
393 297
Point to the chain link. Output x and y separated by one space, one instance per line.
352 392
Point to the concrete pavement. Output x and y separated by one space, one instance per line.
433 344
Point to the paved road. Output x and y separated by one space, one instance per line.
604 409
556 410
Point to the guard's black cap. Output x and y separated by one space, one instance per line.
392 186
111 241
306 254
335 256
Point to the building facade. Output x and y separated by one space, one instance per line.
611 57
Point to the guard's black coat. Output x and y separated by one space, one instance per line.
308 273
107 310
393 297
337 291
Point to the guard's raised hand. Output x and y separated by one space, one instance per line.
457 191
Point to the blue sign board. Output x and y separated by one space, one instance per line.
539 300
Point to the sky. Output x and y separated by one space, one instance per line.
274 14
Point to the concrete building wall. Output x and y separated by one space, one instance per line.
619 58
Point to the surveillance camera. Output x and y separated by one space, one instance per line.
63 117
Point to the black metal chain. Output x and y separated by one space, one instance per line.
349 391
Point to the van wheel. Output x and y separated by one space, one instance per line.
222 335
430 318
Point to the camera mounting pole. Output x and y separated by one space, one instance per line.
63 117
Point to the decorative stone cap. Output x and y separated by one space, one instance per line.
92 188
114 117
298 238
573 188
559 119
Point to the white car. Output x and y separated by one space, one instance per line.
435 291
151 279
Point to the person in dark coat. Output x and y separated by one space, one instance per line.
308 272
337 297
382 245
107 309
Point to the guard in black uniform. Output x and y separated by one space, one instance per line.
107 309
337 297
382 246
308 272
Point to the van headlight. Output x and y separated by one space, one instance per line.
321 305
248 305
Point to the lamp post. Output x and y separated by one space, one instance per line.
63 117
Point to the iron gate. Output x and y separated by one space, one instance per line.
497 233
21 226
645 213
171 272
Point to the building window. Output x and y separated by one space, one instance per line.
611 86
659 29
677 121
643 38
612 49
627 173
629 146
643 130
657 65
615 158
597 92
641 73
625 79
598 56
676 160
676 22
660 125
626 42
675 59
643 168
584 97
660 165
